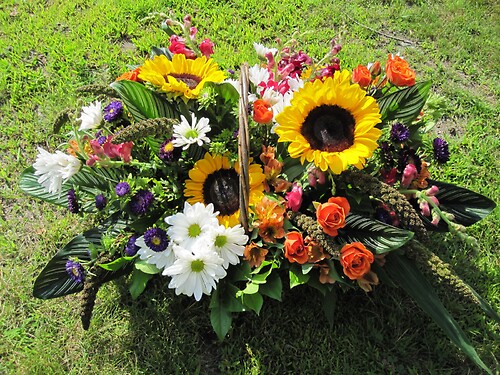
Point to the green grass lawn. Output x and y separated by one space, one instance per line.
50 48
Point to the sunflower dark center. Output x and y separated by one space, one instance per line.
190 80
329 128
221 188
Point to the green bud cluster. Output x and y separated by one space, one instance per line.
161 127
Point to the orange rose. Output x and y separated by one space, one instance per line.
398 71
295 250
356 259
331 215
132 75
361 75
262 112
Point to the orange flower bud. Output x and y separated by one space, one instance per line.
361 75
398 71
356 260
262 112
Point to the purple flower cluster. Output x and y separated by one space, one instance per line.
399 133
156 239
75 271
141 201
73 202
122 189
441 151
112 111
168 153
131 248
100 202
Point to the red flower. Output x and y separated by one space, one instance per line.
207 48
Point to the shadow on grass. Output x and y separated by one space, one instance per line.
380 333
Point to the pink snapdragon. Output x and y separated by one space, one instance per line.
207 48
109 150
294 197
409 174
178 46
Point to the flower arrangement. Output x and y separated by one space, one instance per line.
236 185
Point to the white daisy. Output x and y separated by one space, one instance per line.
195 273
257 74
161 259
186 134
229 243
55 169
190 227
91 116
263 50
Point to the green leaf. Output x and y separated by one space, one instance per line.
253 301
220 317
251 288
330 305
138 282
297 277
224 91
29 184
467 206
142 102
273 288
54 281
374 234
408 277
116 264
146 267
404 105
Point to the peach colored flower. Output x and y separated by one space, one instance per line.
367 281
398 71
356 260
315 250
295 249
324 274
254 254
331 215
361 75
270 219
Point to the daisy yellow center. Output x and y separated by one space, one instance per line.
156 241
75 272
329 128
221 188
169 147
194 230
190 80
197 265
191 134
220 241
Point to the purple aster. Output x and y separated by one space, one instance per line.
156 239
112 111
131 248
169 153
399 133
407 156
100 201
441 151
75 271
141 201
122 188
73 202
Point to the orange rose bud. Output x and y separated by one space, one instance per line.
398 71
262 112
356 260
361 75
295 250
331 215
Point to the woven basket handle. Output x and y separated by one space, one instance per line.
244 146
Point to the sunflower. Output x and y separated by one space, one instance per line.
181 76
331 122
213 180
